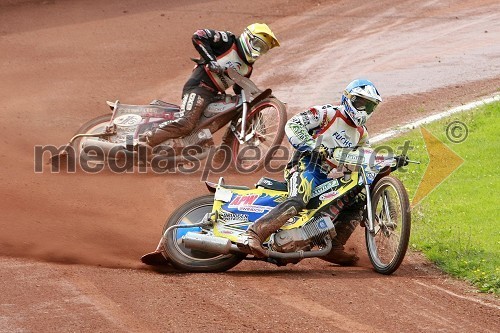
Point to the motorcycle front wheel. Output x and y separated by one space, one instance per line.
388 242
191 260
265 129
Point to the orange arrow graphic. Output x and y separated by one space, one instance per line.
442 163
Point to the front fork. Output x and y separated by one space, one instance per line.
238 129
371 227
243 116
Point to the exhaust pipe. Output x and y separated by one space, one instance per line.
102 148
221 245
207 243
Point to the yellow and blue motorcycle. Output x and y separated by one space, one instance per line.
203 234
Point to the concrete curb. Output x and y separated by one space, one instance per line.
408 127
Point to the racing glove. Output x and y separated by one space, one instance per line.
401 161
214 67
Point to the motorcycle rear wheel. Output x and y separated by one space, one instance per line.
95 125
266 128
388 243
187 259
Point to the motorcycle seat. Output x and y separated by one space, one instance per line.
272 184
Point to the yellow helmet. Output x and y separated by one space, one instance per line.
256 40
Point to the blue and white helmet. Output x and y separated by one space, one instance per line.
360 98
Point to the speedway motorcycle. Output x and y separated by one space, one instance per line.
256 124
206 234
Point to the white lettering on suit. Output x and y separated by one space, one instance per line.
230 59
189 105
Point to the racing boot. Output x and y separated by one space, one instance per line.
148 145
263 228
347 223
143 151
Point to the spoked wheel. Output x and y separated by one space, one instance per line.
265 130
388 243
194 260
96 125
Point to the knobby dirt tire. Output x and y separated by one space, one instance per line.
274 139
104 119
193 260
400 218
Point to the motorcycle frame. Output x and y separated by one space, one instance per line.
214 123
357 177
304 216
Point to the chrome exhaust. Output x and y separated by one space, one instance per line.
221 245
102 148
202 242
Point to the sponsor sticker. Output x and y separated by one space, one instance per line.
324 187
328 195
299 131
246 202
322 224
127 120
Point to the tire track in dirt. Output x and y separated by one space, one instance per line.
120 319
324 314
471 299
337 297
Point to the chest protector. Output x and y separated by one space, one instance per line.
229 59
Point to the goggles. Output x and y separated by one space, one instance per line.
258 44
363 104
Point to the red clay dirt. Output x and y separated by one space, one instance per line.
70 243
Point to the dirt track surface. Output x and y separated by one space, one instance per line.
70 243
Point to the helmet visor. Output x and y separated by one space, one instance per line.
363 104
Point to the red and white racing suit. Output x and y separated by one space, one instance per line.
305 171
334 126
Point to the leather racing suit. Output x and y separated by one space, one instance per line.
305 171
203 85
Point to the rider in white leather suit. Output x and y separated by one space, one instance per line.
337 126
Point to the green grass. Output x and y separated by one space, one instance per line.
457 226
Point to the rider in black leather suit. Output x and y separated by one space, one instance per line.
218 50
